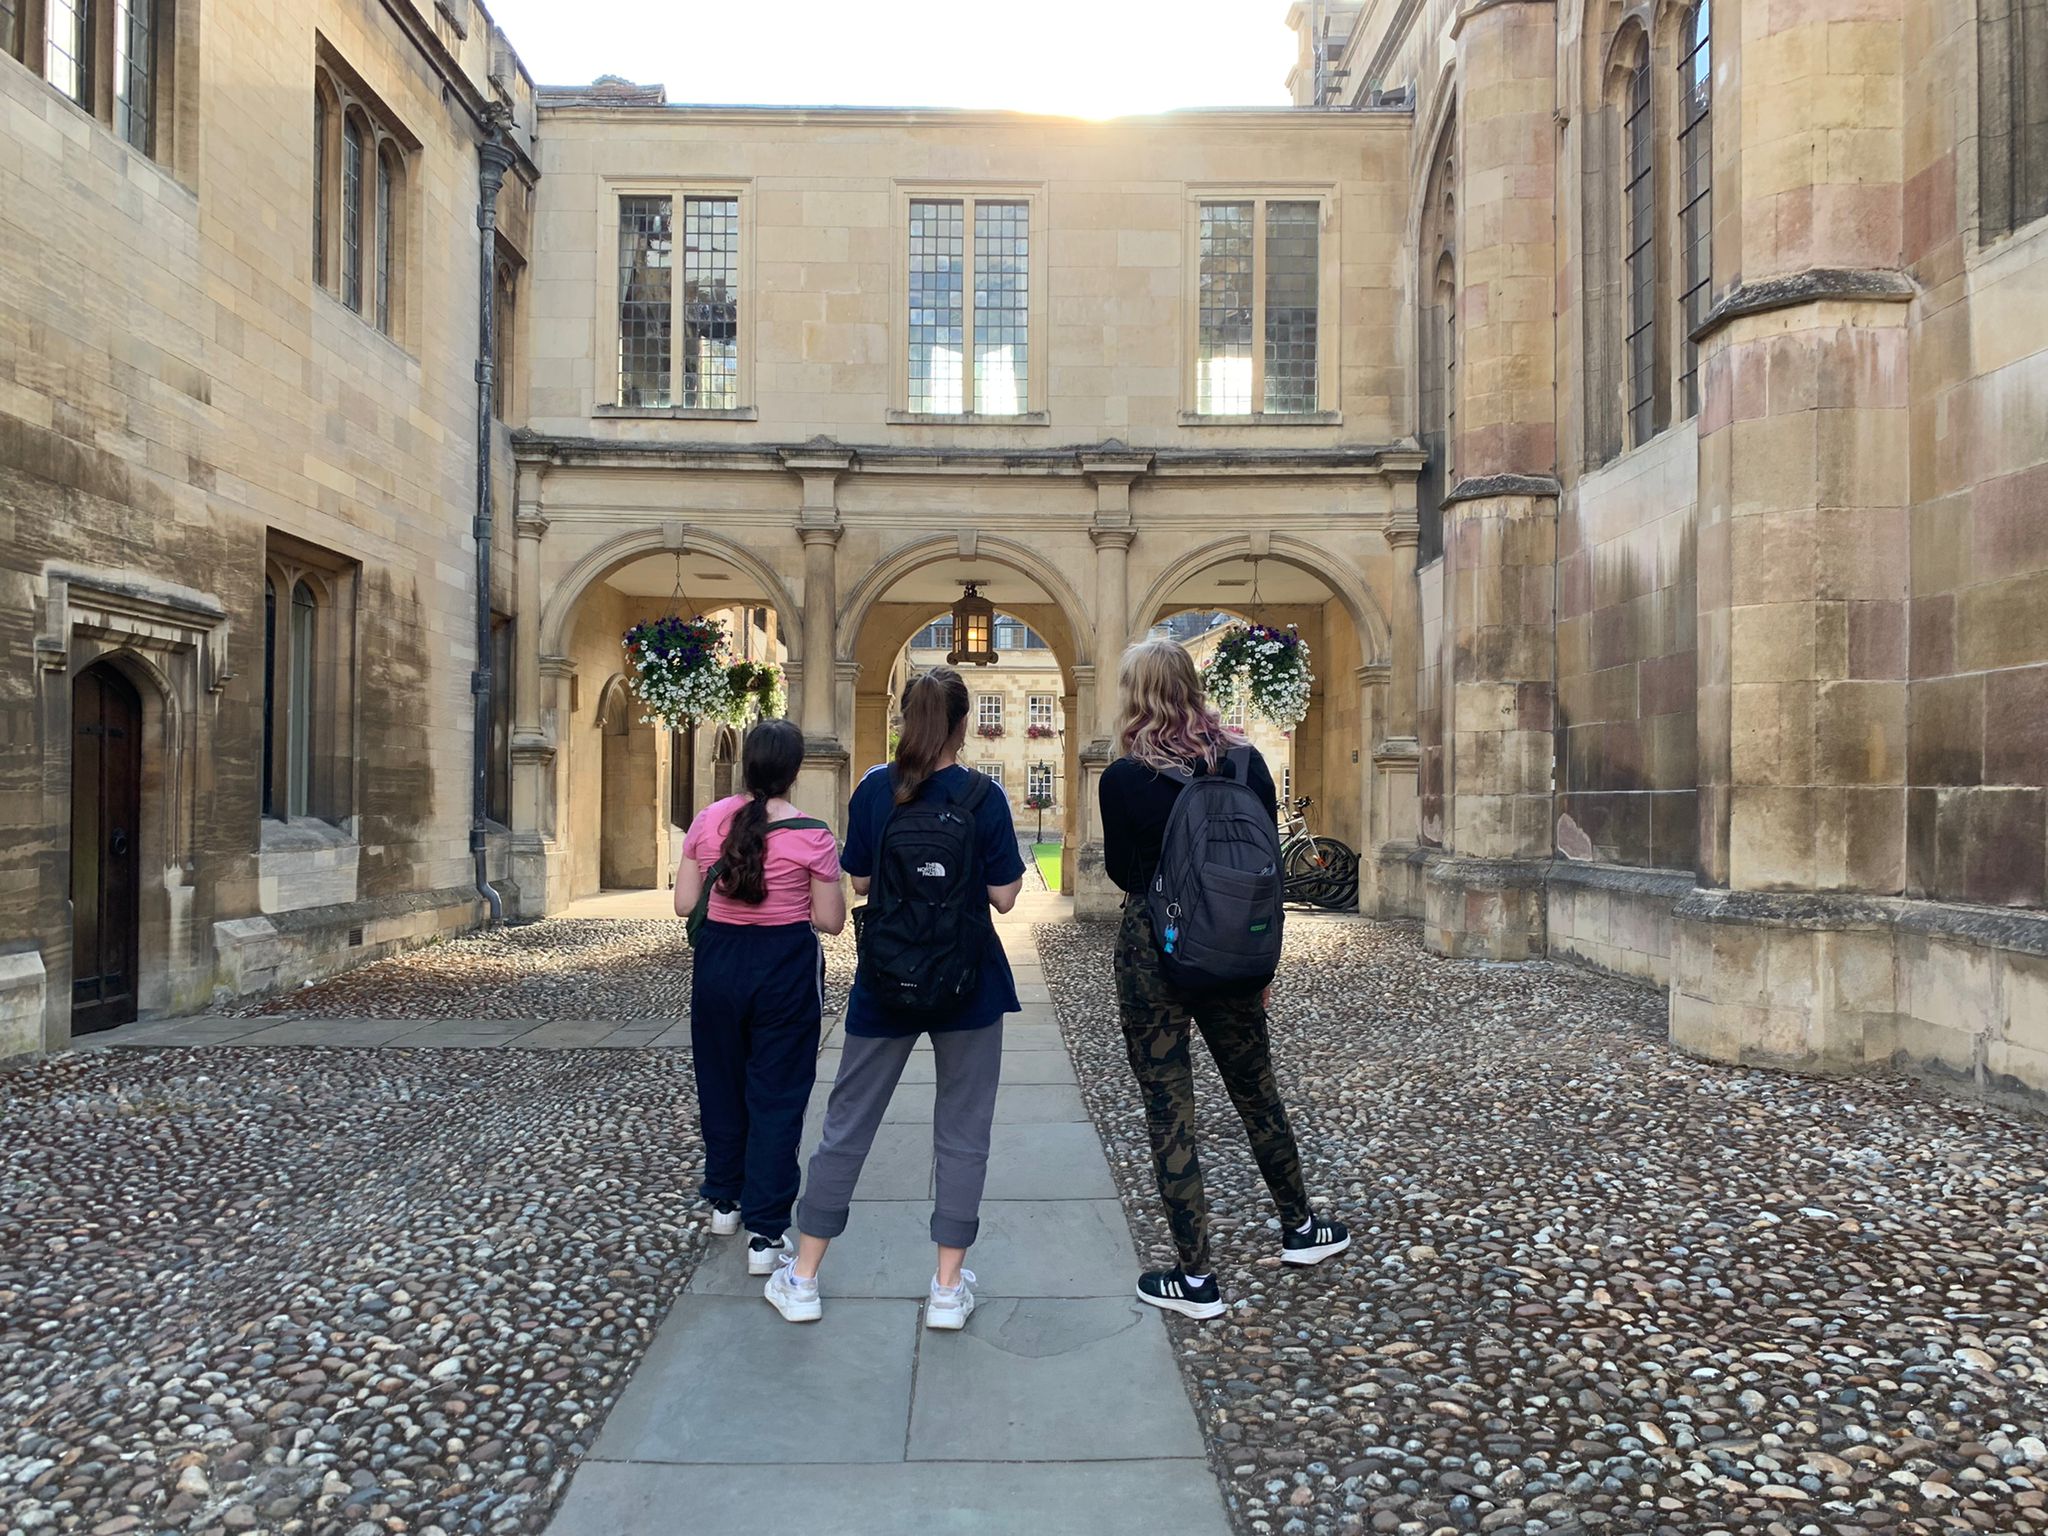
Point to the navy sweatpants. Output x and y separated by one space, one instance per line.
756 995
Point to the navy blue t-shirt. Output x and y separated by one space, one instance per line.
874 799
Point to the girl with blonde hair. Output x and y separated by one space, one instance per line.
1170 735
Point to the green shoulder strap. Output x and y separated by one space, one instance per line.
702 910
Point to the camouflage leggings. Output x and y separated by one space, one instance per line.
1156 1030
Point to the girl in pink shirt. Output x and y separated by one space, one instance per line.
757 985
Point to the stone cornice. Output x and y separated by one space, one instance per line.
1090 460
1478 6
1853 285
1479 487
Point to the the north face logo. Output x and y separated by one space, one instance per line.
932 871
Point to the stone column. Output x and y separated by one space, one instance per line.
1111 472
1403 533
1804 555
827 729
533 738
1500 518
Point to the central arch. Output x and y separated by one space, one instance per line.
947 548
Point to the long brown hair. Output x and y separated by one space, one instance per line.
769 761
934 707
1165 719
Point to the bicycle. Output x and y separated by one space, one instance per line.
1318 871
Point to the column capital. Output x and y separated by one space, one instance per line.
557 666
1402 532
1110 537
819 533
530 522
1374 674
847 672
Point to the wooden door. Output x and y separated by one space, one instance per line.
106 848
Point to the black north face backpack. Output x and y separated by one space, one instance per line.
1215 901
922 932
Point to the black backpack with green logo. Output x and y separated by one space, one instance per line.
1215 900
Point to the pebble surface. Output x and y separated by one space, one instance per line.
1595 1285
560 968
338 1293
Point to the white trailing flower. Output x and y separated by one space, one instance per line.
1268 669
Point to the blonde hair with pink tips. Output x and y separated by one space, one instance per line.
1165 720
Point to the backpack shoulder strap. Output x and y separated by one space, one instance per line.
1240 760
978 786
799 824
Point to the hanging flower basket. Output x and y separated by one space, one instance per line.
678 670
989 732
755 691
1266 668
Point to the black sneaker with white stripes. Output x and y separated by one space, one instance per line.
1322 1239
1169 1288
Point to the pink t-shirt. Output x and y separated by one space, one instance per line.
794 860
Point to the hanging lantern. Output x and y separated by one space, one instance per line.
974 625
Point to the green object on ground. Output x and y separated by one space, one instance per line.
1048 857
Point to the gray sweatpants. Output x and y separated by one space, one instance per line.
969 1062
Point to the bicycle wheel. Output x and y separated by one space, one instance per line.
1337 889
1302 871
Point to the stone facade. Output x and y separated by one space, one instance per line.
186 412
1733 649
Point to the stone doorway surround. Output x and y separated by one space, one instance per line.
170 642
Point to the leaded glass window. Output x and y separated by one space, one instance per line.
322 124
267 773
10 28
711 307
67 48
646 290
1696 189
299 704
1002 251
1292 280
1223 355
937 308
1640 267
352 214
384 244
135 72
2012 114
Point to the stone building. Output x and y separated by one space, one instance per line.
1637 405
240 282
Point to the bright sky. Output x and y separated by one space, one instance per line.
1087 58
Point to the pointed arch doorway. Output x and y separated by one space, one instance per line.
106 848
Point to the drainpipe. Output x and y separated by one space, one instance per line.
494 158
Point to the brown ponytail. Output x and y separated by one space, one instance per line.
769 761
934 707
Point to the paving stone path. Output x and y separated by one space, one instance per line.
1058 1410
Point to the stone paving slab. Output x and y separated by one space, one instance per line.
899 1165
1061 1161
727 1380
1048 1380
1178 1498
913 1103
1027 1248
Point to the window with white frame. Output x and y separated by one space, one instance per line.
679 336
1039 782
988 710
995 773
1040 706
969 306
1234 717
1258 265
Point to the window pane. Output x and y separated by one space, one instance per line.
990 709
299 707
1041 709
384 244
321 125
1641 266
711 306
134 71
1002 236
352 214
67 27
646 255
937 319
10 28
267 771
1696 195
1292 269
1041 780
1223 347
502 319
498 786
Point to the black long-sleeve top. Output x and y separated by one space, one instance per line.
1136 800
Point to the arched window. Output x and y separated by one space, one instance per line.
1639 265
352 213
299 703
323 128
266 774
386 175
1436 347
1695 193
503 319
135 73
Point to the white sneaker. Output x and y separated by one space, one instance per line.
950 1309
797 1302
764 1252
725 1220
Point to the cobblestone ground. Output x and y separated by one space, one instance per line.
1596 1285
562 968
338 1293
